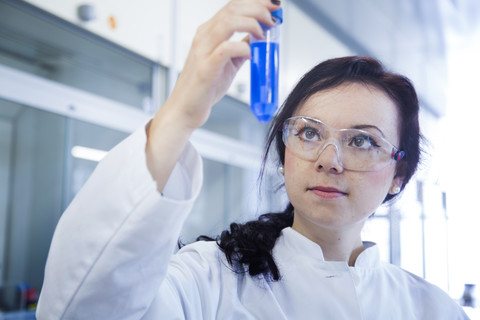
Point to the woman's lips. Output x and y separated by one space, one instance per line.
327 192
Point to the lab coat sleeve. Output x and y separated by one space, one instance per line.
111 249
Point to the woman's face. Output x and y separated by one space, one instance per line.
323 193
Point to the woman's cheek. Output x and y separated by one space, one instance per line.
378 183
291 164
291 171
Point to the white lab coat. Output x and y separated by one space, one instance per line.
112 258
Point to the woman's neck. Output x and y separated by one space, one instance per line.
343 244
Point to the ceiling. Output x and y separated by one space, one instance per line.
407 36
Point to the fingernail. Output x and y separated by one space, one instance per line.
277 2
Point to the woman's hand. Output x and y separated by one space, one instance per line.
211 65
213 60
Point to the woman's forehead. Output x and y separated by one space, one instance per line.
353 104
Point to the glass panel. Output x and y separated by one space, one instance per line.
411 229
38 178
230 194
233 118
34 160
95 139
436 237
226 196
37 42
377 229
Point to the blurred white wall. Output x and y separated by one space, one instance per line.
459 154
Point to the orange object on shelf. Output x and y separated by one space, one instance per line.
112 22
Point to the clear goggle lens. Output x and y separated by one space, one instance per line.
357 149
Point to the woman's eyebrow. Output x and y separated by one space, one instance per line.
368 126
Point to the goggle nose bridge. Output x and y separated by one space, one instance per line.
331 141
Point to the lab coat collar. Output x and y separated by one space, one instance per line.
297 244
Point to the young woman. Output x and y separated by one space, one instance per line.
347 139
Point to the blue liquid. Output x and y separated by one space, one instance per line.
264 80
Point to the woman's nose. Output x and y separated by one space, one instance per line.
329 158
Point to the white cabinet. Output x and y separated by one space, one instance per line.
143 26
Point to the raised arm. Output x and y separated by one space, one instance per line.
111 248
209 70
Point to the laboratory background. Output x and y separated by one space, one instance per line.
78 77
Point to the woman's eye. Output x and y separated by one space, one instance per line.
308 134
363 142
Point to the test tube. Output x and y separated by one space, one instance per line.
264 67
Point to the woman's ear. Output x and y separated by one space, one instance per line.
396 185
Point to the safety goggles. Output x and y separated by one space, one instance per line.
357 149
